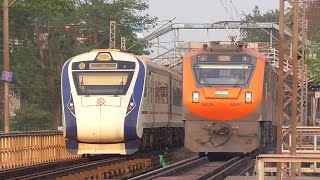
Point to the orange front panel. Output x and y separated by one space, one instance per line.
212 107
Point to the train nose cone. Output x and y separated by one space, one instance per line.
104 124
88 124
112 124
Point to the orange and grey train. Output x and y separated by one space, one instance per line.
229 99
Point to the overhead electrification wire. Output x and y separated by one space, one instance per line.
151 34
225 8
231 11
236 9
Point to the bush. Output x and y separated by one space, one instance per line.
31 117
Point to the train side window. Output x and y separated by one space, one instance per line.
145 87
163 93
179 97
157 92
150 90
174 95
177 94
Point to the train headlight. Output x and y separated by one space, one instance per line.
131 105
248 97
104 57
71 107
195 96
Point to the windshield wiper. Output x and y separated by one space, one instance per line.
83 88
205 80
119 88
238 81
243 76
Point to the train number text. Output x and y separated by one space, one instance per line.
235 104
207 104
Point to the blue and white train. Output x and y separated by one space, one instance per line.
117 103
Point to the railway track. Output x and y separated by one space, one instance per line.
200 169
21 171
54 170
65 168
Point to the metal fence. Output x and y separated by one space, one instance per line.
30 148
122 170
266 164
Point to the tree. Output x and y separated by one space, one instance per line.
259 35
31 117
313 59
313 15
44 34
97 14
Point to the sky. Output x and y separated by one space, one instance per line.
204 11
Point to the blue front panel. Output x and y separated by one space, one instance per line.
70 120
130 123
72 146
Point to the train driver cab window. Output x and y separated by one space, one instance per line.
225 74
102 83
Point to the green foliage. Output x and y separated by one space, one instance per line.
259 35
28 77
313 15
313 59
95 15
40 45
31 117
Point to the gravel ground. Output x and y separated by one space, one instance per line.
183 153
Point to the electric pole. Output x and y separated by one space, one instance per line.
6 63
123 43
292 80
112 36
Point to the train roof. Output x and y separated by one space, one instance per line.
223 48
158 68
104 50
117 54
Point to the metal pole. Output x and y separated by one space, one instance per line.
305 30
174 48
314 109
271 38
6 63
295 76
280 86
306 107
260 170
158 48
294 85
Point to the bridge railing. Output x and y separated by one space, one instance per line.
30 148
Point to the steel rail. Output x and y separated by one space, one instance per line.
234 166
219 169
25 170
172 169
62 168
55 172
248 168
226 169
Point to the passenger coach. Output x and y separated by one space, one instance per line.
117 103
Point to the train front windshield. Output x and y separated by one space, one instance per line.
223 74
102 83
